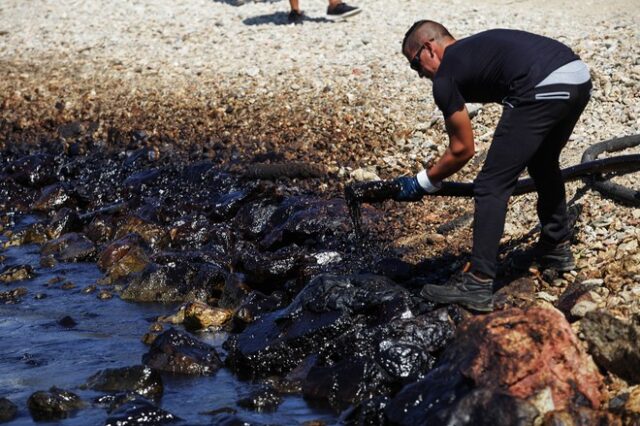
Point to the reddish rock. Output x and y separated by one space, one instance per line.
123 257
523 352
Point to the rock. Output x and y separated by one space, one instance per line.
325 309
104 295
574 293
583 307
614 343
199 315
65 220
267 272
490 408
264 399
175 277
364 175
140 412
33 170
515 353
12 296
8 410
627 405
56 404
254 306
123 257
100 229
300 220
190 233
372 361
11 274
253 218
154 235
140 180
67 322
54 197
72 247
225 206
140 379
179 353
519 294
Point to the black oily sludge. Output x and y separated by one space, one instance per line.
280 257
359 336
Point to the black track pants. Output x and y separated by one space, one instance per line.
531 133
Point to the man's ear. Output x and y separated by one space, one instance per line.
430 48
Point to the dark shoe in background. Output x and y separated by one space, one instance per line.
343 10
296 17
465 289
545 255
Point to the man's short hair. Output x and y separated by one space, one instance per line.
425 27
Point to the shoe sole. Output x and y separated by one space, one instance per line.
344 15
469 304
477 308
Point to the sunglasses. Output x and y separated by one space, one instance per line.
415 62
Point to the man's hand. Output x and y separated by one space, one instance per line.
410 189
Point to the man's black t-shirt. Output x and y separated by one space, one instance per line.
494 64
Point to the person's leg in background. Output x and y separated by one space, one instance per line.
336 9
296 16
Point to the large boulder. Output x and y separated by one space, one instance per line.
368 361
530 357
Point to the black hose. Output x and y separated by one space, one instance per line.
289 170
606 187
591 169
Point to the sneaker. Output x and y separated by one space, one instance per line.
465 289
343 10
296 17
546 255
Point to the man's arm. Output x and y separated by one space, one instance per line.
460 150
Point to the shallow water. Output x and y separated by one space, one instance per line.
37 353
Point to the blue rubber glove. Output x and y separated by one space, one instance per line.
410 189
